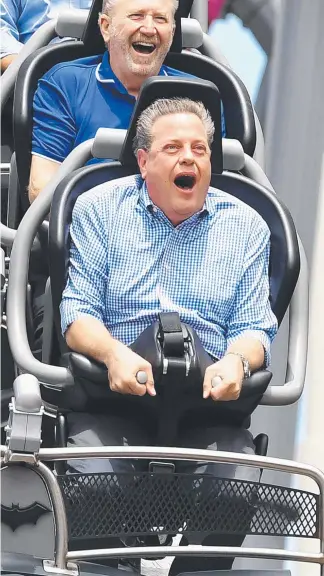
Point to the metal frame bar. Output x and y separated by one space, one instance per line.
20 251
60 519
62 556
199 11
194 550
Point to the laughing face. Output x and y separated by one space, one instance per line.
177 167
138 34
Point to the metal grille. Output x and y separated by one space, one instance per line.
143 504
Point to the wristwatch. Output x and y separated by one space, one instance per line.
245 362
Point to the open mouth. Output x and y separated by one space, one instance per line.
185 181
144 47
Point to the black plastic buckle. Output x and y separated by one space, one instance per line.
171 334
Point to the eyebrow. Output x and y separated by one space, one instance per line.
143 11
176 140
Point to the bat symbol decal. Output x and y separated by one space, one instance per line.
15 516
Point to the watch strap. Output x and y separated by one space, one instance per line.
245 363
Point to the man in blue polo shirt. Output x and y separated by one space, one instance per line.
76 98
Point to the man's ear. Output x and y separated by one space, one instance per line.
142 162
104 25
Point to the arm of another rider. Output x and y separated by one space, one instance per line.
18 22
6 61
252 325
9 23
42 171
83 305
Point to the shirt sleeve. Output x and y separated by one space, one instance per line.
252 314
88 267
19 19
54 129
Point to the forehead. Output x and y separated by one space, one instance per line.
123 6
178 126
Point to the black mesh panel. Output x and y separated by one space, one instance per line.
104 505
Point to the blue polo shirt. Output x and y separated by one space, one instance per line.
76 98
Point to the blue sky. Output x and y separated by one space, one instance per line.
242 51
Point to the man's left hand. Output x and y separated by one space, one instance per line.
230 373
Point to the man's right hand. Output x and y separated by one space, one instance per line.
123 365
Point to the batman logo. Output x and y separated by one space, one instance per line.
15 515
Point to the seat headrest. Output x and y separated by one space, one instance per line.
170 87
93 40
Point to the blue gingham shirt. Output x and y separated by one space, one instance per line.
128 262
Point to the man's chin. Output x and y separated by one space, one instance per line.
149 66
141 69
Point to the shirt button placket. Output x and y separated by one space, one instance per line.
165 284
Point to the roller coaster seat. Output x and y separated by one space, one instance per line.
238 110
283 270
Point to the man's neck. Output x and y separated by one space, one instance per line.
131 82
132 85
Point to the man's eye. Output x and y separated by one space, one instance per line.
135 16
200 148
171 147
160 19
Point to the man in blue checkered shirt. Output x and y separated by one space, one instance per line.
167 241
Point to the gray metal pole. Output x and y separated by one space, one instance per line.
295 119
295 166
260 16
199 11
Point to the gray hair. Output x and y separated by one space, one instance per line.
109 5
164 107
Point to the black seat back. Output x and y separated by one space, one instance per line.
170 87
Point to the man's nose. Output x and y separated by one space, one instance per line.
148 26
186 156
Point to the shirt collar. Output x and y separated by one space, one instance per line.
145 199
105 75
208 205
